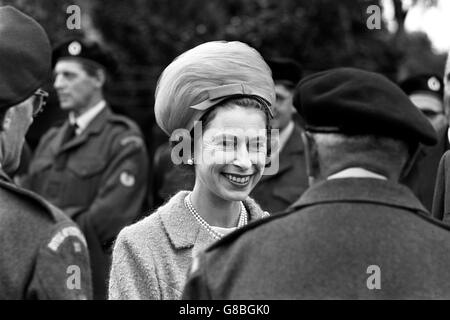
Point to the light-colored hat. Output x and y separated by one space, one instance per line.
206 75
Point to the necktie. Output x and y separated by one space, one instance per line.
61 159
70 133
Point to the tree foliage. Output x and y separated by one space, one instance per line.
146 35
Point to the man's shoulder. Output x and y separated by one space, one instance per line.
51 133
123 123
28 203
125 131
252 230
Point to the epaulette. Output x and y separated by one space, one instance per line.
253 225
123 120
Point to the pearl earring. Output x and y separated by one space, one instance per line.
190 161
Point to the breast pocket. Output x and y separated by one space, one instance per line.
84 177
37 175
40 164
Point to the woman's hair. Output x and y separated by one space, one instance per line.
186 81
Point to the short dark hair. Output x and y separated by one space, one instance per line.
91 68
380 153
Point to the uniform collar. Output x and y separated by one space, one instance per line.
86 118
367 190
95 127
356 172
183 229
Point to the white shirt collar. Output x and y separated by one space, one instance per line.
356 172
86 118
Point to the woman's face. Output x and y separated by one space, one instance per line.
234 151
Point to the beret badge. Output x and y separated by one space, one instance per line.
434 84
74 48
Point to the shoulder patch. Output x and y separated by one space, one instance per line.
65 233
228 239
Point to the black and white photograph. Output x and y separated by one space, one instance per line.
224 155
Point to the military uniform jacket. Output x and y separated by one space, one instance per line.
422 176
98 179
338 239
43 255
441 200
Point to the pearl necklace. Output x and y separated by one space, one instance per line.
216 235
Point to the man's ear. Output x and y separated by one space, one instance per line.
311 156
100 76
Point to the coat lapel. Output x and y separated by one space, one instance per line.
4 176
179 225
183 229
361 190
95 127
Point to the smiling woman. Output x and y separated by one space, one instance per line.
226 88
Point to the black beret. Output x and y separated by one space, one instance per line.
352 101
429 83
79 49
25 57
285 69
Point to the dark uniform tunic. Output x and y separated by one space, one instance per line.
43 255
328 245
422 176
98 179
441 201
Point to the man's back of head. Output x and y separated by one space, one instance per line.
355 118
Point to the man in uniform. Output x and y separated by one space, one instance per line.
426 92
441 199
43 255
356 233
278 191
94 166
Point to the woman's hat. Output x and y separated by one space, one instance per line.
205 76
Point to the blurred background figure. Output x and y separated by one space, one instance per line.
276 192
441 200
93 167
39 245
426 92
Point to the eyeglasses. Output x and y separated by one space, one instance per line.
40 99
